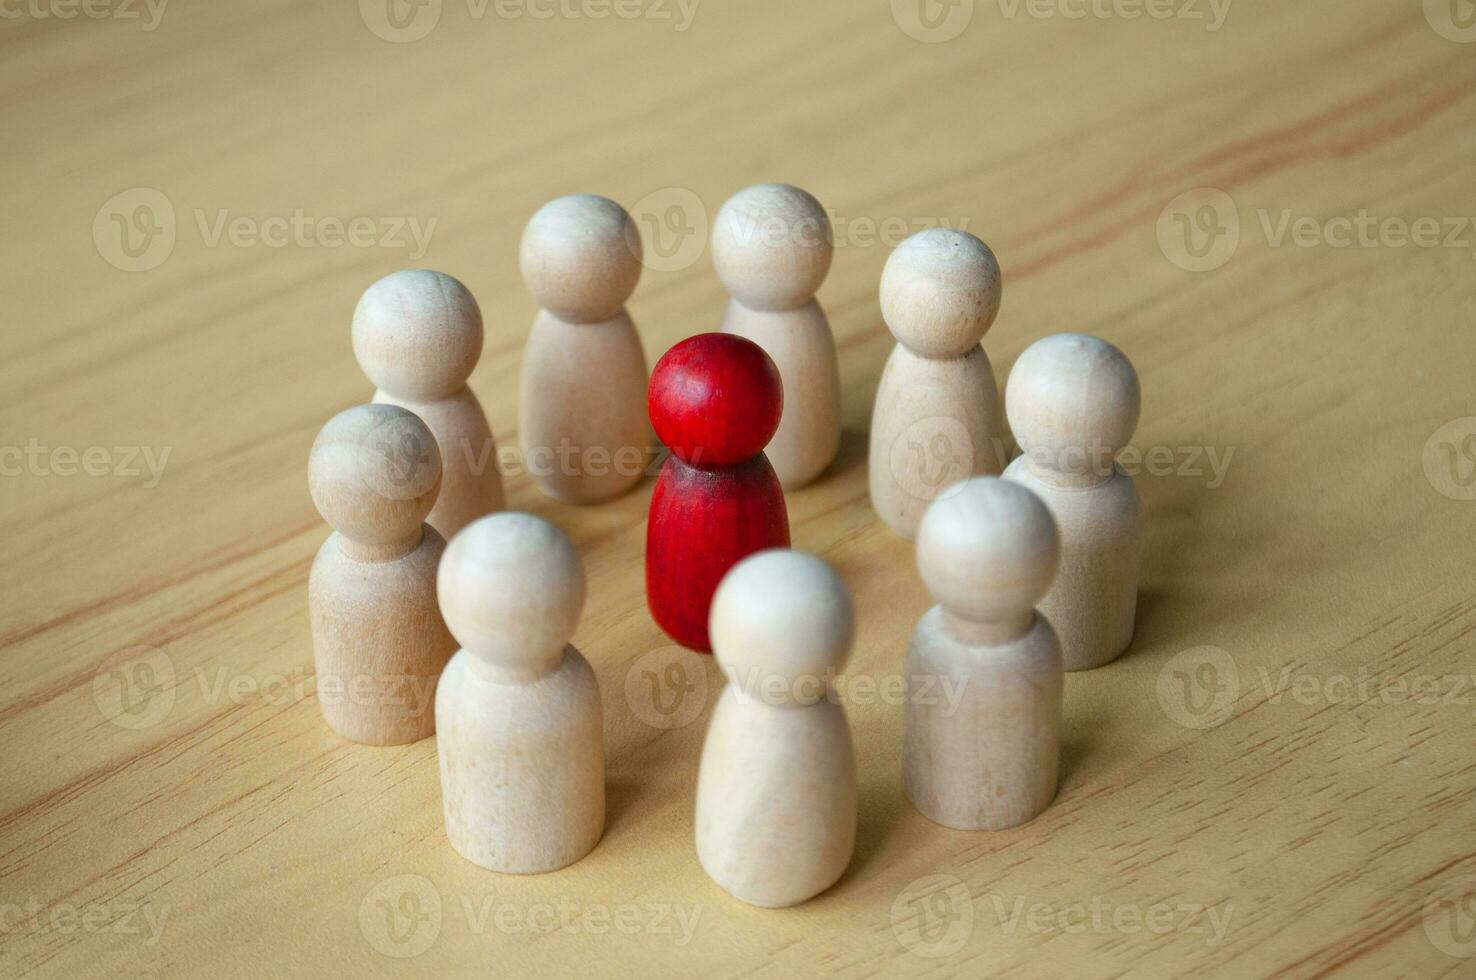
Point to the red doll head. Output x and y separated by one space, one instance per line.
715 399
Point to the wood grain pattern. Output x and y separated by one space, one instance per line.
1315 788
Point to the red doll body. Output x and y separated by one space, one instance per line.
715 400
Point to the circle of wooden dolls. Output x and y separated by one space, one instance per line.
1034 573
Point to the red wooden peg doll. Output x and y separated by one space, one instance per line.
715 400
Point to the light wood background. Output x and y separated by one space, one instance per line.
171 802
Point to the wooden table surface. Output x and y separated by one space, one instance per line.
1276 780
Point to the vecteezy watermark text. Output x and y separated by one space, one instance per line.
121 918
36 458
935 453
939 21
1202 229
1200 688
1102 916
303 230
933 917
150 12
675 224
857 690
403 916
403 21
861 231
1212 12
669 688
136 688
136 230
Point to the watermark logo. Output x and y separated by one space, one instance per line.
1212 12
1102 917
680 13
540 462
403 21
1364 230
676 229
933 21
678 922
400 21
401 916
141 921
933 917
568 460
1450 917
1199 230
1365 687
930 456
1454 20
1450 459
840 230
151 12
299 229
1208 463
1198 688
667 687
858 690
134 688
397 459
135 230
38 459
674 225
